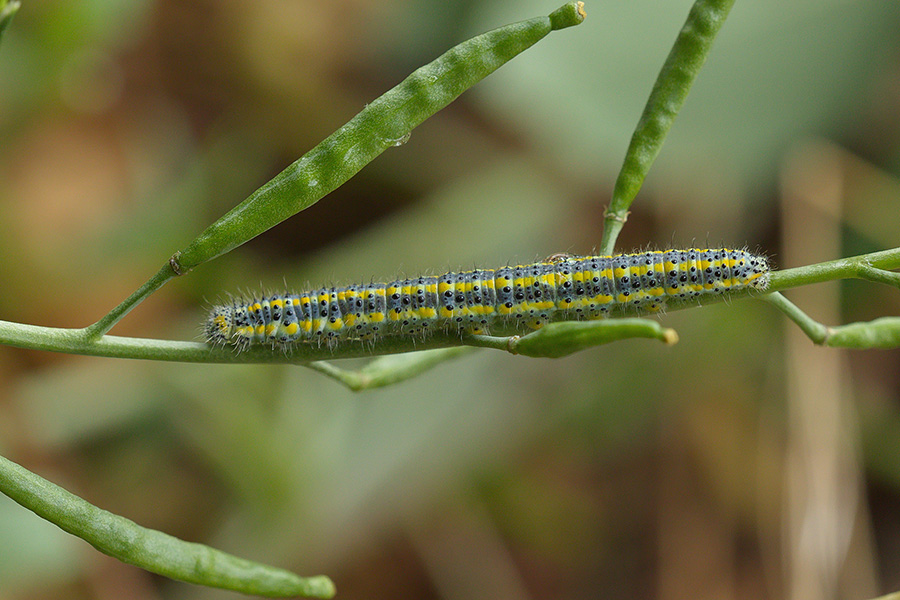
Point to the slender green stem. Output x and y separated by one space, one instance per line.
73 341
864 266
149 549
812 328
880 333
883 333
388 370
495 342
669 92
95 331
870 273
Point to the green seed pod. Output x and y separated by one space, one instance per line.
384 123
669 93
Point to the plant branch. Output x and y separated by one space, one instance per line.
871 267
96 331
812 328
880 333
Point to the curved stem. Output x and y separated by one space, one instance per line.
95 331
880 333
812 328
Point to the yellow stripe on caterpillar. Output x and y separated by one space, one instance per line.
561 288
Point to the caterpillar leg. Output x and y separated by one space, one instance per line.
655 306
537 321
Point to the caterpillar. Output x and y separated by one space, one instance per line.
562 287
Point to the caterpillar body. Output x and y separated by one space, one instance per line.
562 287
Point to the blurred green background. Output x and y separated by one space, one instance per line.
741 463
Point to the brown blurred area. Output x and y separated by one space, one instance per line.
741 463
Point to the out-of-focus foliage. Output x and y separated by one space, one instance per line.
632 470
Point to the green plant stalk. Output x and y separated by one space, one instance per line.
388 370
152 550
95 332
667 97
870 273
386 122
813 329
871 267
883 333
7 11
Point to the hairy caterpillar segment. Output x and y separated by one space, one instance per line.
562 288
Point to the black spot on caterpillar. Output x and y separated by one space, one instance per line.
561 288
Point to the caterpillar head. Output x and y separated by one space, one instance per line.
219 325
759 276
